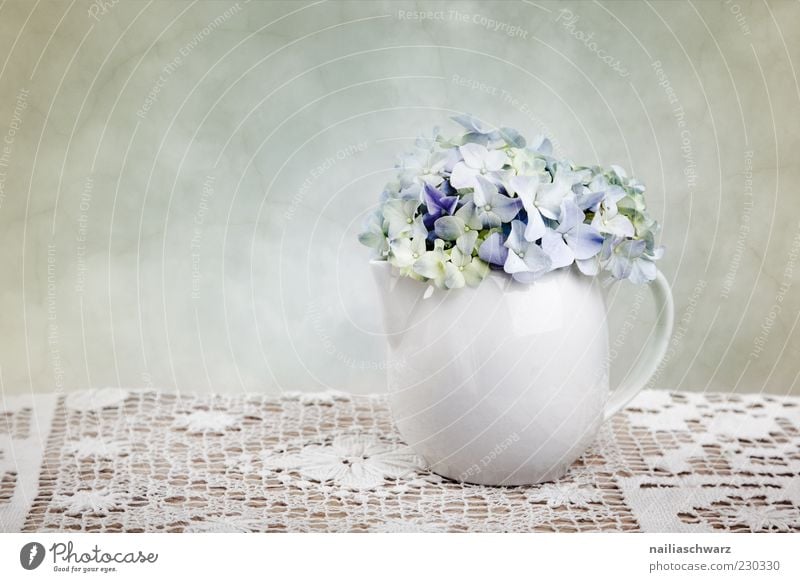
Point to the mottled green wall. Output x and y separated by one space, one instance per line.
182 182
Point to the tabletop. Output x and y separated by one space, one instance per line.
115 460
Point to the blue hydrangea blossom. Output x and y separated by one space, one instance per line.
485 200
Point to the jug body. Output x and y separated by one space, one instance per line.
503 384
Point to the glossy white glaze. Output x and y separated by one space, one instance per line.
504 384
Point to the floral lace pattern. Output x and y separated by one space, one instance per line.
141 460
352 462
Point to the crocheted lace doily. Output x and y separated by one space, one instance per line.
115 460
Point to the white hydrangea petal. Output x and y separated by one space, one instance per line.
462 176
474 155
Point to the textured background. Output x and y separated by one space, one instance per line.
181 183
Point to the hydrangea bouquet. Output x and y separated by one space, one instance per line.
488 200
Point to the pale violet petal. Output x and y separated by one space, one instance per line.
537 260
571 216
490 220
621 267
514 264
511 136
549 197
471 123
474 154
526 277
585 241
536 227
631 249
492 250
614 194
619 225
504 207
560 254
451 158
484 191
588 266
542 145
590 200
463 176
643 271
525 187
494 160
516 238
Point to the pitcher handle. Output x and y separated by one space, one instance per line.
647 365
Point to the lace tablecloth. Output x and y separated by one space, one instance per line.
115 460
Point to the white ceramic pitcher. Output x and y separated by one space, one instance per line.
506 384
